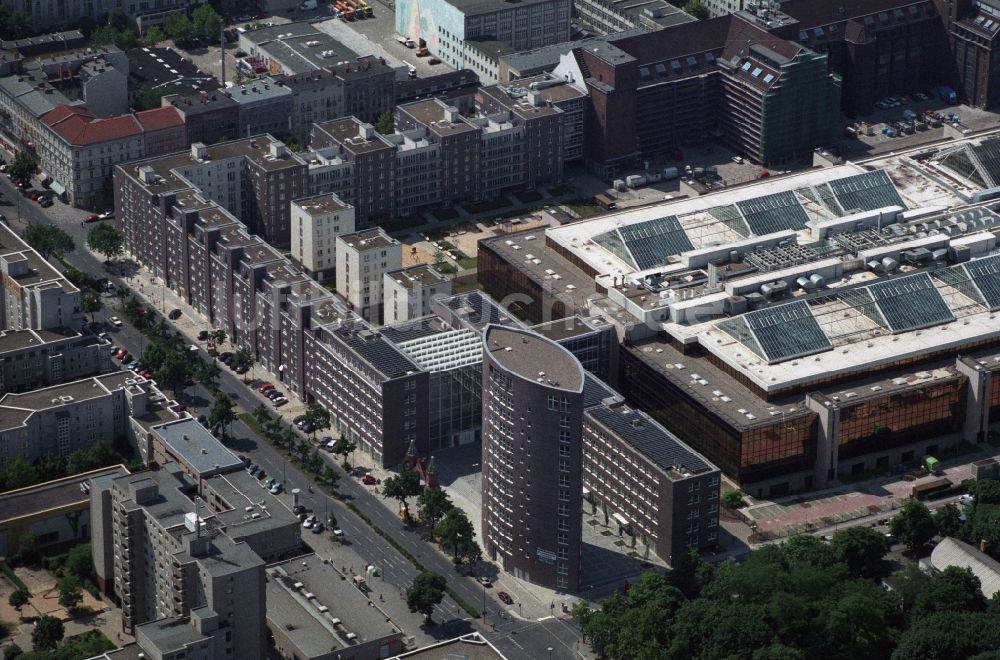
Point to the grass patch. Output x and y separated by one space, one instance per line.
445 268
461 602
461 285
528 196
467 263
447 245
487 206
584 208
445 214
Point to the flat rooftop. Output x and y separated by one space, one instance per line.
39 271
323 620
438 116
165 69
467 647
66 492
240 490
569 327
368 239
474 7
321 204
15 340
188 441
350 133
550 88
16 407
299 47
417 277
533 358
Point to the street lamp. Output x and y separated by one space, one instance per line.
484 602
550 652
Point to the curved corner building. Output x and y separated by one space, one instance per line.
532 454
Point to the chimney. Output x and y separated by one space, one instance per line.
199 151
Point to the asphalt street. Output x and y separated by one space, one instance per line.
547 638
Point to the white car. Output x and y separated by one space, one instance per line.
115 321
966 499
338 531
309 522
277 402
193 348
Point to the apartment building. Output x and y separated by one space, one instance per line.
208 116
45 14
62 419
532 452
454 174
662 494
317 221
362 259
185 587
36 358
604 17
445 25
409 292
190 445
265 106
35 295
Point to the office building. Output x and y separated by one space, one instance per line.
660 492
314 613
362 259
184 586
445 25
833 322
316 223
408 292
532 457
604 17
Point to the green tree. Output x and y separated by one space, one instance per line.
809 549
985 491
221 414
913 525
106 240
12 651
49 240
425 593
319 417
23 166
179 28
208 373
243 361
313 462
732 499
344 447
18 599
150 97
402 486
174 372
26 548
70 593
16 24
952 590
79 561
697 9
47 634
433 504
948 520
206 22
862 549
90 302
456 530
153 36
949 635
217 337
262 415
384 123
329 475
653 590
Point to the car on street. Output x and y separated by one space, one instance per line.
265 387
299 420
307 427
338 532
174 314
93 217
279 401
505 597
309 522
115 321
966 499
317 528
241 369
276 489
261 475
299 510
193 348
273 393
369 480
252 469
106 215
485 581
45 202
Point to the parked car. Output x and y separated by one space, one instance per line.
280 401
317 528
265 387
91 218
338 532
261 475
174 314
203 335
966 499
369 480
276 489
485 581
252 468
309 522
505 597
299 420
106 215
45 202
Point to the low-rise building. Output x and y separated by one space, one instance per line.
36 358
362 259
408 292
316 613
317 221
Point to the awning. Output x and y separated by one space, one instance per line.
58 188
620 518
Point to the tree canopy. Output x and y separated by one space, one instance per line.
913 525
426 592
49 240
106 240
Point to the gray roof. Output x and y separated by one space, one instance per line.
191 443
952 552
474 7
294 45
548 56
259 91
170 634
53 494
374 349
533 357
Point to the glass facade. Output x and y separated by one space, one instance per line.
778 448
455 406
901 418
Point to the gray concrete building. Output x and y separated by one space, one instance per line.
532 457
317 221
362 259
34 294
408 292
37 358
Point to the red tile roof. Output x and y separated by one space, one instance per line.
159 118
61 112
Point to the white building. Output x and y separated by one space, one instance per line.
362 259
316 223
34 295
408 292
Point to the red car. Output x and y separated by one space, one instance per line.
505 597
147 374
265 387
121 356
91 218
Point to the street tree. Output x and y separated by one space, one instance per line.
173 372
262 415
862 549
47 634
179 27
221 414
288 437
90 303
425 593
49 240
206 22
329 475
18 599
106 240
344 447
402 486
455 530
433 505
153 36
208 373
913 525
243 360
23 166
218 337
314 463
948 520
319 417
70 593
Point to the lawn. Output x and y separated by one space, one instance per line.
584 208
